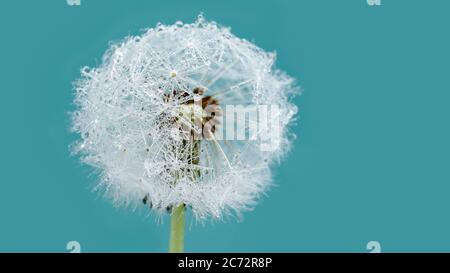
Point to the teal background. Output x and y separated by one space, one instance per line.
371 161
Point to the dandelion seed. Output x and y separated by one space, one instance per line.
149 118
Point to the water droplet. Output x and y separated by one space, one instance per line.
200 19
159 27
179 23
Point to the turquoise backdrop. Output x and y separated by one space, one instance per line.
371 161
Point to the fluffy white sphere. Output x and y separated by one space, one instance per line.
129 111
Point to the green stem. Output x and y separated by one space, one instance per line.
190 148
176 244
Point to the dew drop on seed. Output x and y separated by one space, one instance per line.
200 20
159 27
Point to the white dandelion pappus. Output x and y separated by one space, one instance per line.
129 111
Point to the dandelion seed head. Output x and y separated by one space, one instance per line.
127 108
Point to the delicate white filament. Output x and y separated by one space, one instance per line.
126 109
